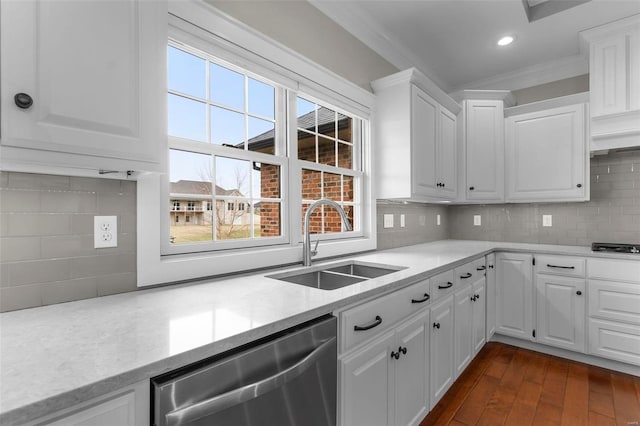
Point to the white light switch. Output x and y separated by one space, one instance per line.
438 219
477 220
546 220
401 221
387 221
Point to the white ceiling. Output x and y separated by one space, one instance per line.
454 41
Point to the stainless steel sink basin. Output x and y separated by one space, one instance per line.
337 275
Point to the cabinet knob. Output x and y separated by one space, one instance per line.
579 185
436 325
403 350
395 355
490 266
579 293
23 100
471 188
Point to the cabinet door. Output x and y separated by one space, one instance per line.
514 298
411 375
117 411
463 325
484 150
560 311
546 155
441 349
367 383
614 340
608 75
491 295
424 137
478 333
96 73
446 151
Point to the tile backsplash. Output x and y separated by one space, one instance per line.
420 224
612 214
46 239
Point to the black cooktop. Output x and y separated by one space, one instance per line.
616 248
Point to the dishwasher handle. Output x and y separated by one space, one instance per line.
238 396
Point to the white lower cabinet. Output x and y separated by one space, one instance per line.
560 311
514 295
441 360
469 322
126 407
385 382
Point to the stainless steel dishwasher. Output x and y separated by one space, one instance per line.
286 379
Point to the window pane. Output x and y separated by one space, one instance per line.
347 188
232 177
186 73
344 128
327 122
261 136
306 115
266 180
345 155
326 151
233 219
268 215
332 186
306 146
311 185
227 127
315 221
227 87
189 196
187 118
261 99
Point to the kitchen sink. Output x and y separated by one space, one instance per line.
334 276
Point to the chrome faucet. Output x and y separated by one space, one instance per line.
307 253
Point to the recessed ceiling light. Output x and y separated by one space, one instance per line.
504 41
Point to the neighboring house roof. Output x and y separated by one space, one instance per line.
326 123
198 188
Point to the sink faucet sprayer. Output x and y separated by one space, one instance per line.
307 253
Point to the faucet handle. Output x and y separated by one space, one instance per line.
315 249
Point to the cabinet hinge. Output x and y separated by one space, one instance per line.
534 334
533 261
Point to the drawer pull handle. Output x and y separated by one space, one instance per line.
445 286
481 268
426 297
579 293
465 276
436 325
373 324
559 266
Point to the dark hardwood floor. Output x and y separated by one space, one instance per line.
505 385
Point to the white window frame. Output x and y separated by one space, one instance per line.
202 26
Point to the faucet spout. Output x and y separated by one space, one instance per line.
306 247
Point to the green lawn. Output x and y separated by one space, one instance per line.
196 233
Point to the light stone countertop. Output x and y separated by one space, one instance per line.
56 356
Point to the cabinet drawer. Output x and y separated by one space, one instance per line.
561 265
614 269
372 318
615 301
614 341
442 285
416 296
469 272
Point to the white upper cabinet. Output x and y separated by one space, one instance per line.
547 155
614 83
84 84
481 145
415 139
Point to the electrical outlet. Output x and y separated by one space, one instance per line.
387 221
438 219
547 220
477 220
105 231
402 221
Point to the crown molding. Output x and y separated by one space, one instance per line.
488 95
570 66
357 22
